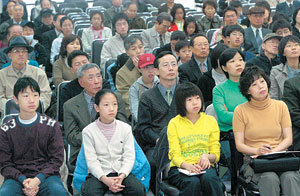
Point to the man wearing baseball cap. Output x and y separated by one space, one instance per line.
43 23
18 51
145 82
269 56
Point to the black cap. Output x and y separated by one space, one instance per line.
46 12
29 24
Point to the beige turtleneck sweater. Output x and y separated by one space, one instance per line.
261 121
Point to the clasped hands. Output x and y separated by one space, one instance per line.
202 164
114 183
31 186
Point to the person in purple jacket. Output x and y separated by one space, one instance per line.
31 147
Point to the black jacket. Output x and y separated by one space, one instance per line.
47 39
206 84
40 30
263 62
190 71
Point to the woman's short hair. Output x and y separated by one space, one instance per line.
184 91
64 43
94 12
248 76
215 54
227 55
212 3
175 8
283 42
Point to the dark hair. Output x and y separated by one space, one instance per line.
99 95
94 12
181 44
212 3
127 4
64 43
178 35
229 8
283 42
215 54
11 26
25 82
119 16
235 4
224 29
280 24
295 15
175 8
195 36
264 4
183 91
187 21
159 56
63 19
227 55
163 16
56 15
75 54
130 40
248 76
232 28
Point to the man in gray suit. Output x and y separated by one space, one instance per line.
255 32
110 13
79 111
158 35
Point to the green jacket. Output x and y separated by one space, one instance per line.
205 24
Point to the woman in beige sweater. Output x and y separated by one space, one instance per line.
61 70
263 125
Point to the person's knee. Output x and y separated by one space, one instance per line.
270 177
289 176
57 190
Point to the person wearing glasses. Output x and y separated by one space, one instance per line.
18 51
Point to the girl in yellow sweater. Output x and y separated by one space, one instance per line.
193 144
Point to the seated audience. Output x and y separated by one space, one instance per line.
166 7
291 96
255 32
296 23
176 36
282 28
95 31
183 51
66 25
210 20
193 144
269 57
287 8
178 15
111 12
129 73
156 108
17 14
109 169
41 55
289 52
135 22
43 4
49 36
31 167
215 76
143 83
45 24
18 51
262 125
7 11
190 27
226 96
115 45
200 62
13 30
158 35
62 71
79 111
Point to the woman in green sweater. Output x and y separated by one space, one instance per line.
263 125
226 97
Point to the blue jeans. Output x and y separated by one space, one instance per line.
226 155
52 186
